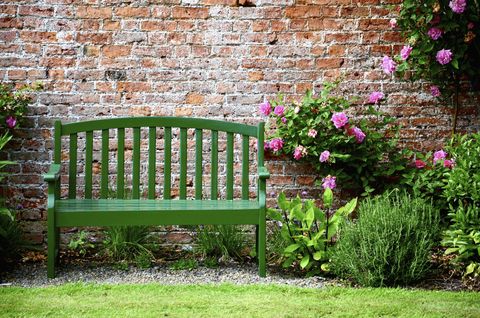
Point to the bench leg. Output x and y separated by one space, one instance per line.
52 251
261 241
256 241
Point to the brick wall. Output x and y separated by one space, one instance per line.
203 58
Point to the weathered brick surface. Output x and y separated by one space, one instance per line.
208 58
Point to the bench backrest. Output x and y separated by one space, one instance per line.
78 133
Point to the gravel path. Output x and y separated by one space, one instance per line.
33 275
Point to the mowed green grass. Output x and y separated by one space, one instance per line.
153 300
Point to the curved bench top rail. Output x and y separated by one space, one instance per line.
180 122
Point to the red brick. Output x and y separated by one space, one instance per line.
303 12
41 11
329 63
94 12
7 23
38 36
189 13
134 87
131 12
114 51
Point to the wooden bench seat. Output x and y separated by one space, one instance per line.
121 171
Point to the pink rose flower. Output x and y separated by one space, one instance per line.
447 163
419 164
393 23
435 33
375 97
444 56
438 155
299 152
284 120
389 65
11 122
265 108
339 120
279 111
405 52
359 134
458 6
329 182
266 146
324 156
435 91
276 144
312 133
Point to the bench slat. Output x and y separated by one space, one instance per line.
167 169
245 166
198 163
229 167
136 164
88 164
121 163
152 150
214 166
166 212
105 151
72 170
180 122
183 163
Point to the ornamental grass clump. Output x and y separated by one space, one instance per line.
390 242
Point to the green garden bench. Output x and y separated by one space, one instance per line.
86 199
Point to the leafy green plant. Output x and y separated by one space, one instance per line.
210 262
184 264
463 239
390 242
309 230
463 186
127 242
220 241
11 241
359 151
80 243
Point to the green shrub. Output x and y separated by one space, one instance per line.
463 239
309 230
220 241
11 241
184 264
389 244
80 243
362 153
128 243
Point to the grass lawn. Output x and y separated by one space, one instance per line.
153 300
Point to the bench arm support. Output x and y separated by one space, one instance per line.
53 173
263 173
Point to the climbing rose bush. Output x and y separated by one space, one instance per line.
357 152
443 43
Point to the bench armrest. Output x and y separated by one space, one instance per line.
53 174
263 173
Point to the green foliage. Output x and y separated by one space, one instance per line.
13 103
220 241
80 243
428 182
460 35
210 262
389 244
463 239
184 264
309 230
463 186
11 241
128 243
276 244
366 165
